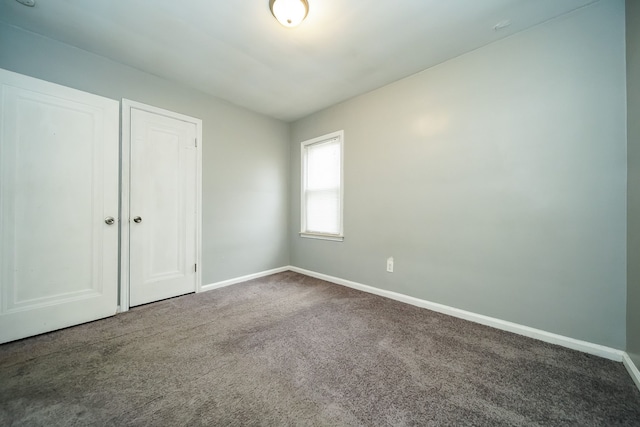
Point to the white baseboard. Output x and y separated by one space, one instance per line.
572 343
230 282
632 368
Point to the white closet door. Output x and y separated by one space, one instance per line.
59 182
162 223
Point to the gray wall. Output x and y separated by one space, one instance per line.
497 180
633 152
245 155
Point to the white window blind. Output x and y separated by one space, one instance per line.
322 187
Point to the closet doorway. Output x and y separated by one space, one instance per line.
161 204
58 206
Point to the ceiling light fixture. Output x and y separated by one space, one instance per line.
289 13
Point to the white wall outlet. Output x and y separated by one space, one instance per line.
390 264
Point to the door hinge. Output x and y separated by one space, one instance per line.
195 267
196 142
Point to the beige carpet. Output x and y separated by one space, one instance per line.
292 350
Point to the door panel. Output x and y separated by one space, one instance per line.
59 170
163 196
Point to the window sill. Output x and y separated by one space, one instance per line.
332 237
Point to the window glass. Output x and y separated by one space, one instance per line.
322 186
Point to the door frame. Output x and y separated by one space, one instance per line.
125 182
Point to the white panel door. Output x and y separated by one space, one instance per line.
59 182
162 228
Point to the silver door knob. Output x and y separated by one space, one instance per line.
109 220
137 220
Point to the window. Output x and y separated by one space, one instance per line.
322 187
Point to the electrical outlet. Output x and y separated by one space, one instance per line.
390 264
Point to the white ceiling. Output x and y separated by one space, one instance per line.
237 51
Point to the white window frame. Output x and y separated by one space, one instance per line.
303 166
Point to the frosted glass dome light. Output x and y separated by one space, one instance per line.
289 13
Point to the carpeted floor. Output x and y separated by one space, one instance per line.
292 350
